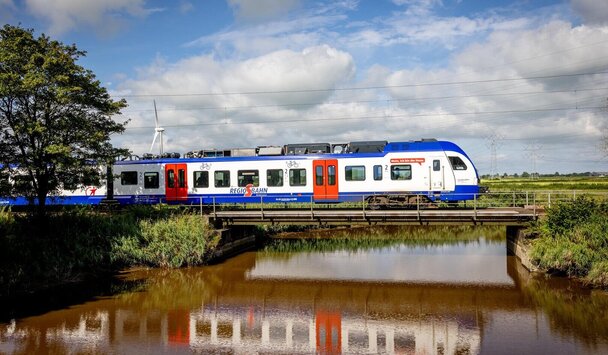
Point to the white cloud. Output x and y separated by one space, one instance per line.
592 11
318 69
553 111
106 16
257 10
311 27
268 57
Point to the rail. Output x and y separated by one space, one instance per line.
533 200
508 208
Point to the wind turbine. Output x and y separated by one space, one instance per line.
158 131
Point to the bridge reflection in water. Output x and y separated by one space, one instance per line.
233 307
263 328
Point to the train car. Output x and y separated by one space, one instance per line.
381 173
78 195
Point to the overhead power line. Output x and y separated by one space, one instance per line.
380 116
446 97
448 83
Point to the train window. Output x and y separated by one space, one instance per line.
128 178
354 173
377 172
246 177
297 177
274 177
222 178
171 178
457 163
331 175
319 175
181 178
150 180
201 179
401 172
436 165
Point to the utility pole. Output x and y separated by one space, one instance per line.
533 152
494 143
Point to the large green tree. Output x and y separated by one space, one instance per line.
55 117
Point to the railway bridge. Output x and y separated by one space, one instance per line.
510 216
514 208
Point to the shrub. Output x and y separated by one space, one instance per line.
563 216
182 240
573 240
598 275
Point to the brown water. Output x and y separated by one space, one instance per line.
404 297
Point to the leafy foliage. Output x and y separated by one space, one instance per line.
55 117
573 240
37 251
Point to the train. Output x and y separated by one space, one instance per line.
380 173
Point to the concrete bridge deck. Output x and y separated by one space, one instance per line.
512 216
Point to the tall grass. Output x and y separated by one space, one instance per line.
182 240
573 240
71 244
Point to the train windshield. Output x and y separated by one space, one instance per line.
457 163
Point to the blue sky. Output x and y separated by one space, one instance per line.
529 77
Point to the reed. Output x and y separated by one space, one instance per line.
71 244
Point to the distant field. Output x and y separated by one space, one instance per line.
547 183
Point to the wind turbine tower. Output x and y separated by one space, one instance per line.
158 131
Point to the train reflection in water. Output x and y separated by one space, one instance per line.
241 306
248 329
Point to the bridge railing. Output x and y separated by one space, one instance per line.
534 200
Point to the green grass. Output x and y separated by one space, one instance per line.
547 183
68 245
573 240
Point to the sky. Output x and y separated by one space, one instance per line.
519 85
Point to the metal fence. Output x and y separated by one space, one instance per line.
536 201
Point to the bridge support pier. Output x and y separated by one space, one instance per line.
517 246
234 240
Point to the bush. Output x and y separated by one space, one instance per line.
573 240
563 216
174 242
68 245
598 275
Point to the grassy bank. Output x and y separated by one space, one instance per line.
72 244
586 183
573 240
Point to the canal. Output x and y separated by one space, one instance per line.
389 290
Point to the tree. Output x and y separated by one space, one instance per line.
55 117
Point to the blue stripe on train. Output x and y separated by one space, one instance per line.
461 193
56 200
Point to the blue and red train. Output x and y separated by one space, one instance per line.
379 172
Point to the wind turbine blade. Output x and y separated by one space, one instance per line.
155 113
153 141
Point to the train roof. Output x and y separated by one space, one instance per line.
365 149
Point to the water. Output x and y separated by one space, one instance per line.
434 297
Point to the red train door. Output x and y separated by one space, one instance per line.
325 185
176 182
